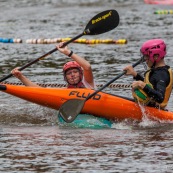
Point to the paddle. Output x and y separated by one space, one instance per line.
101 23
71 108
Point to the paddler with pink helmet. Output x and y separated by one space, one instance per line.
154 89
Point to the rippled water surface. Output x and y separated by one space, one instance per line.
30 139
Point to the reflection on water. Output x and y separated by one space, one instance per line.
30 139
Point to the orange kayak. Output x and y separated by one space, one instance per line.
102 104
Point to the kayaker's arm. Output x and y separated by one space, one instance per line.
18 74
27 82
156 95
138 77
88 75
130 71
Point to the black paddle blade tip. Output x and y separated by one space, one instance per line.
102 22
70 109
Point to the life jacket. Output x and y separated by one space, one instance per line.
168 88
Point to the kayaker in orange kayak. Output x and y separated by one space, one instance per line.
77 73
155 87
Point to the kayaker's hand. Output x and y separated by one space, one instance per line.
63 50
15 72
130 71
138 84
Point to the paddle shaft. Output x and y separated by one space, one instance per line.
41 57
111 81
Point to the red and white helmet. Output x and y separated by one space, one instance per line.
71 65
153 47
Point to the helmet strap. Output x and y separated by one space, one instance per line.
153 64
145 65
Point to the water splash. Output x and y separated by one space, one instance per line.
146 121
123 125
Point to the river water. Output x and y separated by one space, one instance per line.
30 139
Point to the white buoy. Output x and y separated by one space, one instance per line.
29 41
19 40
45 41
40 41
56 40
48 40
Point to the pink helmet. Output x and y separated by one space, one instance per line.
153 47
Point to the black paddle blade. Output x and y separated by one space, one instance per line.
70 109
102 22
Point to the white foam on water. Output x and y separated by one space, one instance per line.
121 125
146 121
